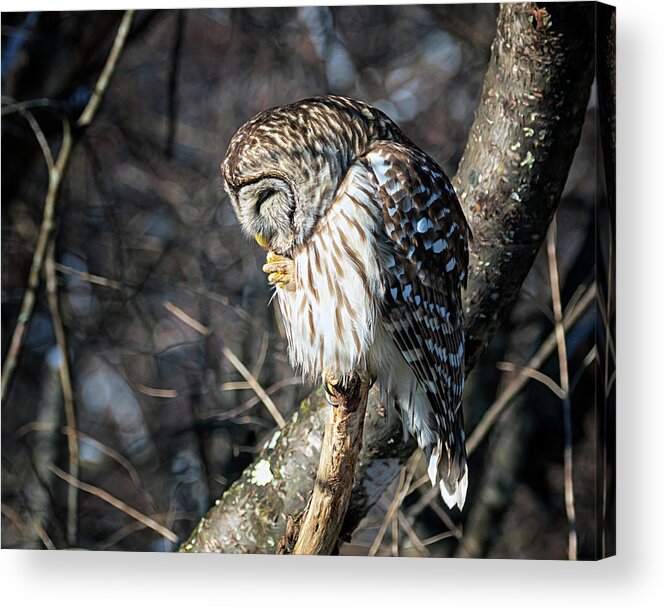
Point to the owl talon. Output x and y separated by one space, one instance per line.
280 270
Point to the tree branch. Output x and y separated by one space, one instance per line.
510 180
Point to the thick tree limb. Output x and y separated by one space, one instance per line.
510 180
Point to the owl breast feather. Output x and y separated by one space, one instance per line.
331 317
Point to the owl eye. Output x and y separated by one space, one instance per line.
263 196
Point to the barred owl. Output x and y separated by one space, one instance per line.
368 249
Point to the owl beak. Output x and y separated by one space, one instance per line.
262 240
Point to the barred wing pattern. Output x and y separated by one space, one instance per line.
424 274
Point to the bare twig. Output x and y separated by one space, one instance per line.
136 526
419 544
255 385
560 332
45 230
233 359
88 277
41 138
115 502
67 390
546 380
25 105
107 72
515 386
44 537
390 513
16 520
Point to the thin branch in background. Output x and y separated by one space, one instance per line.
136 526
13 106
119 504
403 488
172 100
41 532
392 510
88 277
233 359
107 72
569 491
41 138
546 380
45 230
437 538
16 520
66 387
419 545
255 385
116 456
504 401
263 352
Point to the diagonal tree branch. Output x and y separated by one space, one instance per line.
509 180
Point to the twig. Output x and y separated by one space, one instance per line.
515 386
390 513
109 68
255 385
233 359
341 444
41 532
88 277
569 491
411 534
172 100
103 448
41 138
45 230
546 380
67 390
115 502
26 105
135 526
16 521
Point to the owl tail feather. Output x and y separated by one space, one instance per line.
453 483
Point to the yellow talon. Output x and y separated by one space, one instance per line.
280 271
262 240
277 278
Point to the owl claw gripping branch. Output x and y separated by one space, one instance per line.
368 250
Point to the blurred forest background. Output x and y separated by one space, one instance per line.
164 421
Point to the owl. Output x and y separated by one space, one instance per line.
368 252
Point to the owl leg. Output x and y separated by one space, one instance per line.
280 270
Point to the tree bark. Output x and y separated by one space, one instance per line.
323 517
509 181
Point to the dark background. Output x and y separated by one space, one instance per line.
166 423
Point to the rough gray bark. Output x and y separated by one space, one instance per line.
510 179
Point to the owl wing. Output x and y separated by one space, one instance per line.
427 258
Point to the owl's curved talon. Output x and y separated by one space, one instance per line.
280 270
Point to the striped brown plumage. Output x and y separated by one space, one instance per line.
378 244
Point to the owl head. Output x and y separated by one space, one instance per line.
282 167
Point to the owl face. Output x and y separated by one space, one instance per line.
282 191
283 167
266 210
